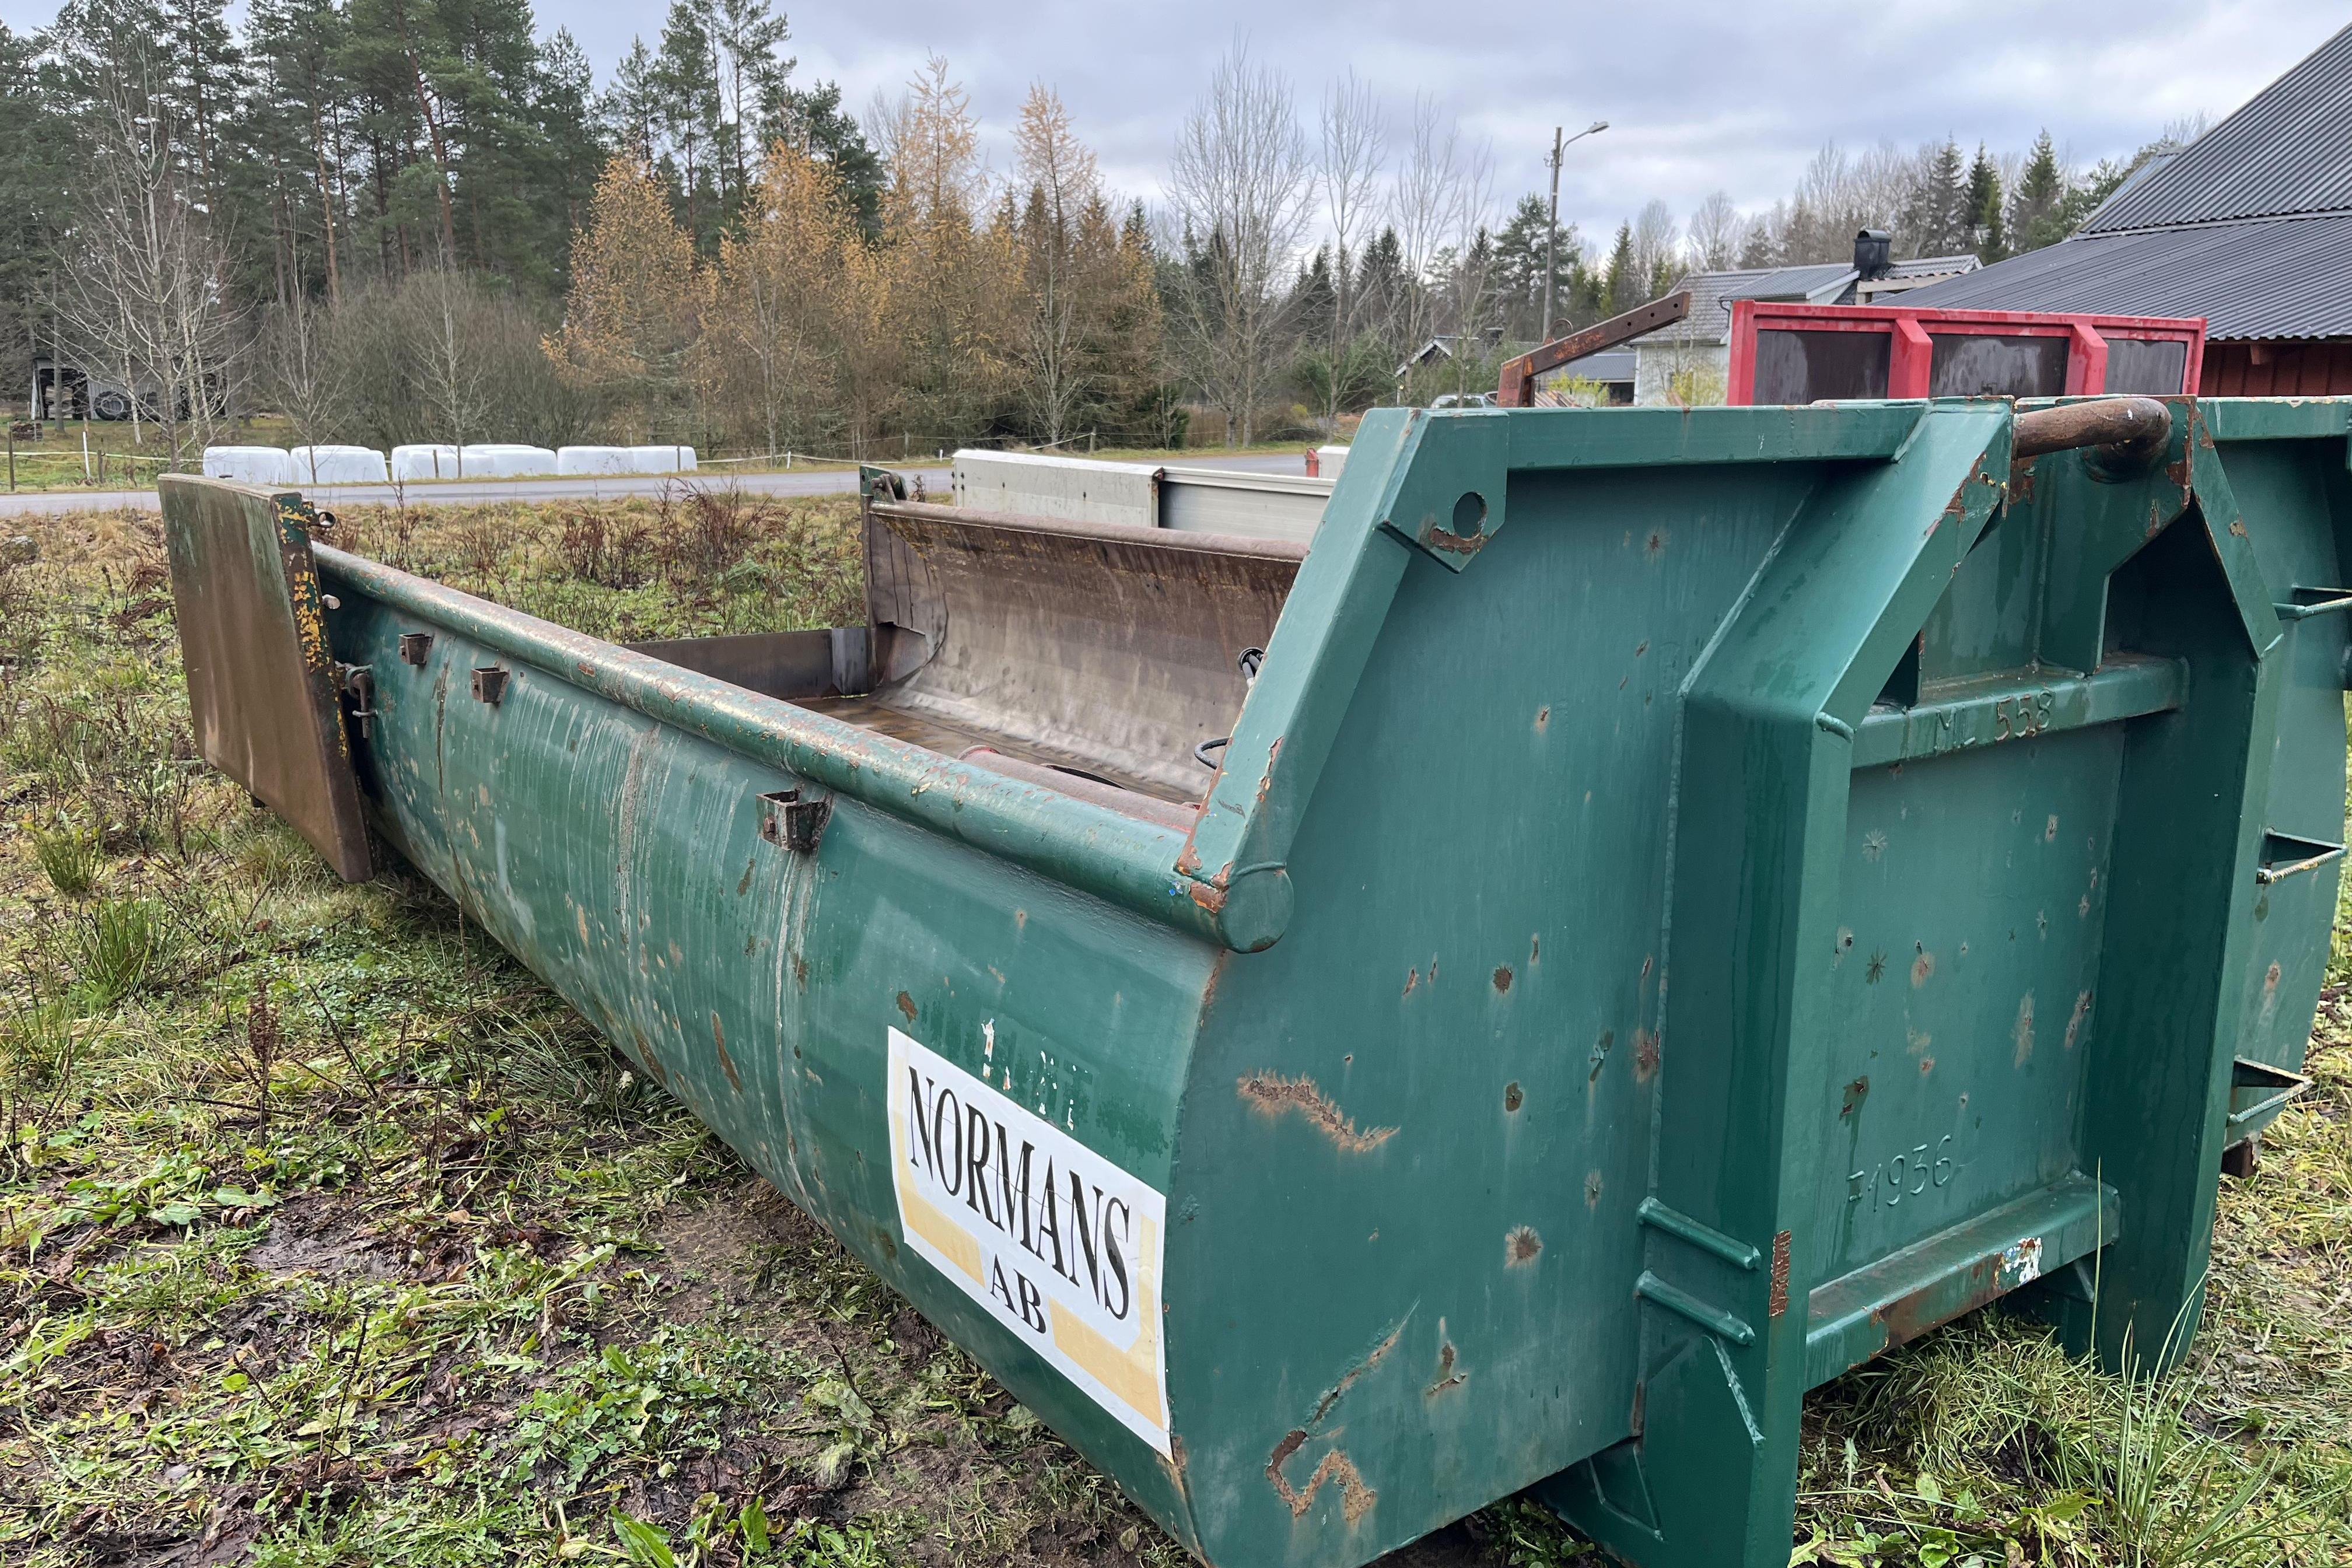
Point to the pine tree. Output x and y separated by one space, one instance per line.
688 113
1934 216
1625 286
1988 233
748 34
1519 266
813 120
2036 211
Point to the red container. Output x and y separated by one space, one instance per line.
1802 353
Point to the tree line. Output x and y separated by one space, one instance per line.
397 220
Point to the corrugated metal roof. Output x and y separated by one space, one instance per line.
1609 365
1711 293
2269 277
1935 266
2287 149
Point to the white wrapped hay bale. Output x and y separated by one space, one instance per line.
661 459
593 461
327 465
249 465
507 461
424 460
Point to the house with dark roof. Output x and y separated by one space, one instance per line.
2250 227
1690 360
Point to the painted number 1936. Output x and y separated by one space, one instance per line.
1906 1176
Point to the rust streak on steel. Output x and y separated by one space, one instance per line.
1516 389
1272 1094
2123 427
1779 1297
1356 1499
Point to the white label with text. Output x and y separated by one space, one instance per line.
1059 1243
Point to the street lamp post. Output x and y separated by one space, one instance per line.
1551 233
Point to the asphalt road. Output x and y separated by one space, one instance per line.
461 492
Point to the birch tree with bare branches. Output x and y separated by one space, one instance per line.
1241 183
1354 147
1425 209
147 295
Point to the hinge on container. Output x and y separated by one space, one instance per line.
794 823
357 681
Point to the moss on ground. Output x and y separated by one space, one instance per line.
327 1235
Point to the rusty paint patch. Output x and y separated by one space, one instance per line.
1923 968
800 974
1447 1376
1535 949
1855 1093
1645 1054
1520 1246
1451 544
1412 979
1337 1390
2083 1011
1208 897
726 1062
906 1004
2023 1032
1356 1499
1503 977
1512 1098
744 886
1778 1301
1543 719
1272 1094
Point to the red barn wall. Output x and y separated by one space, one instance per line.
2276 369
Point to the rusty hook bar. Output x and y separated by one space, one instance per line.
2122 427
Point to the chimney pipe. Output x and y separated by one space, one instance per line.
1874 251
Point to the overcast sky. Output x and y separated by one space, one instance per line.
1699 97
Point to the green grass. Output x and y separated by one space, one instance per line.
327 1236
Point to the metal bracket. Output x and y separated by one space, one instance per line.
2310 602
2285 854
357 682
413 646
489 684
794 823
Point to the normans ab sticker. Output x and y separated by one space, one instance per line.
1059 1243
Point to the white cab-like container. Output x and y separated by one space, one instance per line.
249 465
507 461
584 461
661 459
424 460
326 465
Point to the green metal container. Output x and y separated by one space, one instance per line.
1690 900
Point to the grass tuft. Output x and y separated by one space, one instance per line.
69 859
